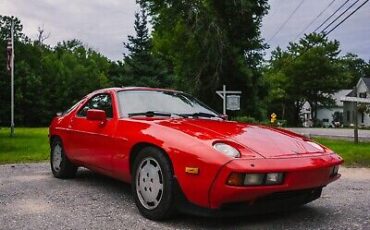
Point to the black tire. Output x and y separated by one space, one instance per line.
165 208
65 169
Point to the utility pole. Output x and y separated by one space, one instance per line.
12 82
355 134
355 100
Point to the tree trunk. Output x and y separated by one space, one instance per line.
297 108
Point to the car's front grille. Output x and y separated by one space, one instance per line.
277 201
309 193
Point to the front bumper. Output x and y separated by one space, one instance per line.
302 173
279 201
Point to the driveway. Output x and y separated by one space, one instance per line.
31 198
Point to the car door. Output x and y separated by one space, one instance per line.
93 140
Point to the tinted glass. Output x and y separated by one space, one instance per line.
139 101
101 101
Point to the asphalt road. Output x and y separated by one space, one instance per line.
339 133
30 198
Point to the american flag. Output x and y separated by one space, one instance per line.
9 53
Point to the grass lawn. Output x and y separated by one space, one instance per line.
354 155
31 145
28 145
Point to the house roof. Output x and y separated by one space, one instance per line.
367 82
351 94
339 94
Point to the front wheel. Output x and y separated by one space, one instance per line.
153 184
60 164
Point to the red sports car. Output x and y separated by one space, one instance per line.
179 154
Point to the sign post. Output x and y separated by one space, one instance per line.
230 102
355 130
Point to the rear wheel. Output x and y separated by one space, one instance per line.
60 164
153 184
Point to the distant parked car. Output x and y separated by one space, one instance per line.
179 154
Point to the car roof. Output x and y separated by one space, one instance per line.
132 88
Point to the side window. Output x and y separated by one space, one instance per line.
101 101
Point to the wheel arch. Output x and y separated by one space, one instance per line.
141 145
54 137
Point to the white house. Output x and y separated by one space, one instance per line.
341 112
363 118
326 116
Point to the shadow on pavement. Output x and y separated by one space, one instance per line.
116 190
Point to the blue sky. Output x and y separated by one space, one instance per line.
105 24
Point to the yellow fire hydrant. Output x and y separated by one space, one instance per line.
273 118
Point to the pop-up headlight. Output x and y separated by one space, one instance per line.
226 149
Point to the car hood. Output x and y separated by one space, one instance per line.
266 141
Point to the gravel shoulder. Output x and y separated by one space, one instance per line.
31 198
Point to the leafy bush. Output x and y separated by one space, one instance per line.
245 119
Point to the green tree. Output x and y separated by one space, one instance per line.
19 40
47 80
5 25
309 70
210 43
356 67
72 71
141 67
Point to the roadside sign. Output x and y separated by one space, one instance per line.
233 102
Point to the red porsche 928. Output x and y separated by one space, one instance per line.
180 155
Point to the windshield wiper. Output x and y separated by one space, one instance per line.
199 114
150 114
165 114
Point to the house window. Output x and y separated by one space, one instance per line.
362 117
348 116
362 95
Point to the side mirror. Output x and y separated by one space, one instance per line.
96 115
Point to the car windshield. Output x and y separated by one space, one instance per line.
161 103
72 108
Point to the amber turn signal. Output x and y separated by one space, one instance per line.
192 170
235 179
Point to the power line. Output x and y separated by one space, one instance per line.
314 20
336 26
286 21
327 33
331 23
328 18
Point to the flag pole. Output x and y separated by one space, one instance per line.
12 81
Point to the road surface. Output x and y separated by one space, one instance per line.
333 133
31 198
